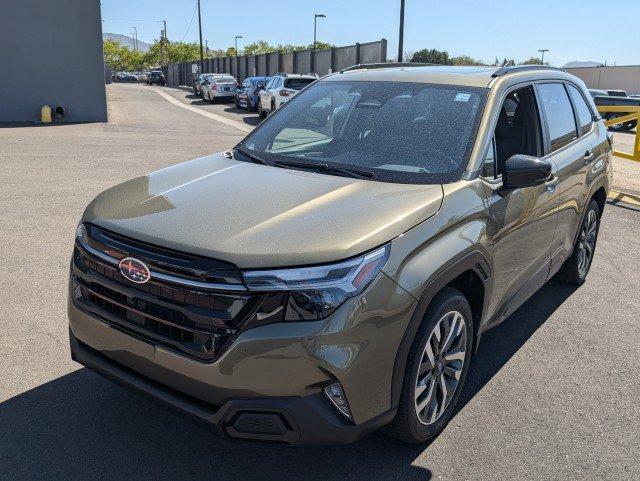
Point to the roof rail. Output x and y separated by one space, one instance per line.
519 68
373 66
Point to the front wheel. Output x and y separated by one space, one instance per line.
575 269
261 113
436 369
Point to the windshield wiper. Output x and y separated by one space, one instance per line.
326 168
253 158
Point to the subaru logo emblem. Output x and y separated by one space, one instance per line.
134 270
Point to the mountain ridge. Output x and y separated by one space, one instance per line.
126 41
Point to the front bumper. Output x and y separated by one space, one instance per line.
288 420
271 376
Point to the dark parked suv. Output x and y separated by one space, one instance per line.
156 77
335 271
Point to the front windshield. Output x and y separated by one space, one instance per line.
402 132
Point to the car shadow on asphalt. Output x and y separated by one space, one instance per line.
499 344
81 426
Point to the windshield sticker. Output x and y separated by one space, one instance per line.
460 97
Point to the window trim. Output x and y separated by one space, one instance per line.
495 115
575 110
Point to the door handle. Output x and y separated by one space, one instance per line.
588 156
551 183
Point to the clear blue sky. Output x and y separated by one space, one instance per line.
570 29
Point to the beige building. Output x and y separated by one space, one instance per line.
620 78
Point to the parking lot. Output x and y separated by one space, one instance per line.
552 393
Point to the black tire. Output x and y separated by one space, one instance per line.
273 106
238 103
406 426
574 271
261 113
622 127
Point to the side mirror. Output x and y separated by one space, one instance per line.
525 171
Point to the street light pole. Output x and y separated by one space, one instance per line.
542 51
237 37
135 39
315 28
201 49
401 35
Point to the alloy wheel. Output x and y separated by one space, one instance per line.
440 367
587 242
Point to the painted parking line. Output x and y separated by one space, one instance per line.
616 196
218 118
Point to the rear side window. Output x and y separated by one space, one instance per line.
298 83
585 119
562 126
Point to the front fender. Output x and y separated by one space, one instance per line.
429 256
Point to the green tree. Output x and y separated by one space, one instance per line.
257 48
431 56
466 60
231 52
533 61
320 46
114 54
183 51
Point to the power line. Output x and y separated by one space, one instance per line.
190 22
130 20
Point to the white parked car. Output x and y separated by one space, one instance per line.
219 86
279 89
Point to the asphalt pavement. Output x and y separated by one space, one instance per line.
553 392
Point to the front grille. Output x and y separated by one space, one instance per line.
197 322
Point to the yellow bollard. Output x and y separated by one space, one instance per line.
45 114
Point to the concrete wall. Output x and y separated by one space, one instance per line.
620 78
322 62
51 53
306 61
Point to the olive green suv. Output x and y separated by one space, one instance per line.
334 272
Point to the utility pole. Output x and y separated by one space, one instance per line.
542 51
315 28
135 39
165 41
401 35
201 49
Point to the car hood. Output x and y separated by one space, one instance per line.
258 216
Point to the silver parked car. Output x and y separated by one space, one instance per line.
219 86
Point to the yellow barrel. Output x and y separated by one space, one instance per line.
45 114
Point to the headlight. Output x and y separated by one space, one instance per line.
315 292
81 231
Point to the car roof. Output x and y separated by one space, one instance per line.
295 75
443 74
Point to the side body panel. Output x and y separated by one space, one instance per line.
521 233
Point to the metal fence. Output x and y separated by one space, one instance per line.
320 62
